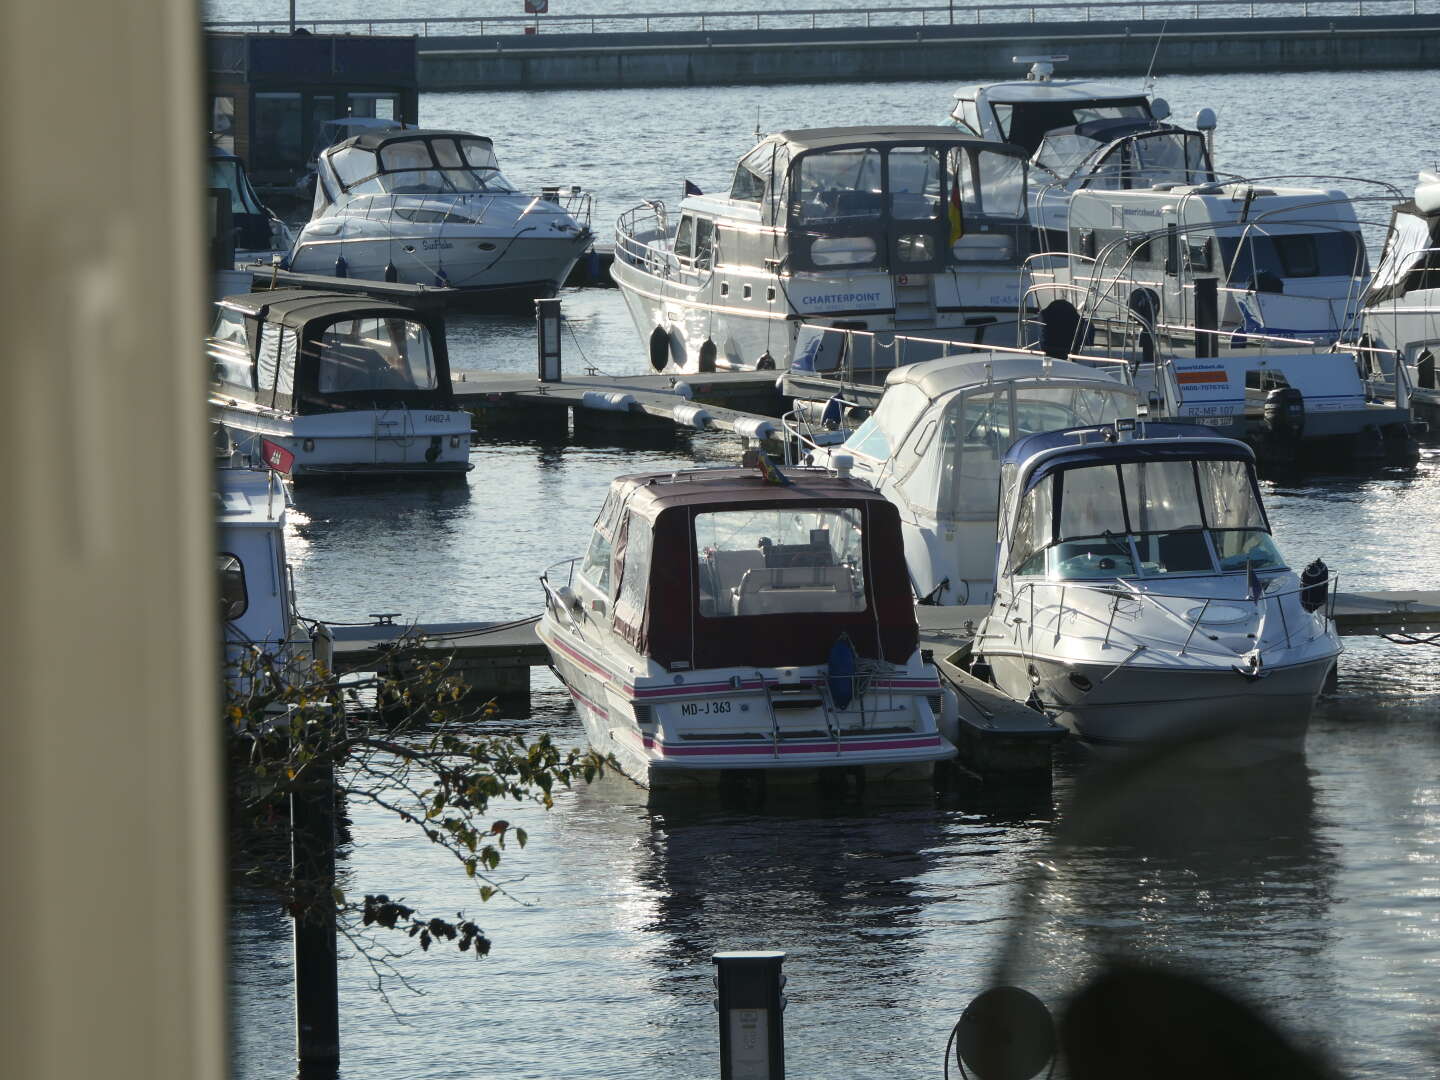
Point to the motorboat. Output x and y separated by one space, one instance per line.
1141 598
906 230
341 384
730 619
1400 319
258 233
430 207
264 635
933 446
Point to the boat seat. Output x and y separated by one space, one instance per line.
779 590
727 568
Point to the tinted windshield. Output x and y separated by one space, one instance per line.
780 561
1025 123
1143 518
1330 253
436 166
357 355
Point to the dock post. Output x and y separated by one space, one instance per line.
1207 318
312 859
547 337
752 1035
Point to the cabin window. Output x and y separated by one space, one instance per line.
230 350
1253 259
278 141
967 116
375 354
596 567
1002 179
899 408
752 173
634 572
685 237
380 106
914 183
222 122
276 369
840 186
780 561
233 598
352 165
479 154
843 251
983 423
704 242
1034 529
1170 158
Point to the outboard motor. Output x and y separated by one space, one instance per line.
1314 586
1285 414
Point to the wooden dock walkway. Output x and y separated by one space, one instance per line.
495 658
745 403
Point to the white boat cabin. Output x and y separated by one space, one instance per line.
1401 315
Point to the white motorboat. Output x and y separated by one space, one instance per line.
1141 599
934 443
915 230
341 385
428 207
1401 314
721 621
257 605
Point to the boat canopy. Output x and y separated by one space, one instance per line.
942 426
314 352
1125 153
410 162
719 568
1411 261
901 197
250 217
1025 110
1086 504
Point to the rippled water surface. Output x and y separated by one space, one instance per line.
1313 891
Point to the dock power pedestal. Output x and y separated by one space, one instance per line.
547 334
752 1035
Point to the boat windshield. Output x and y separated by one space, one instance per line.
1025 123
226 175
1145 519
357 355
1161 157
780 561
1256 258
433 166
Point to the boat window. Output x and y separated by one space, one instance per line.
225 174
230 350
596 567
1034 529
634 572
408 154
1171 157
1025 125
966 116
222 122
447 154
840 186
375 354
886 428
843 251
1255 257
1165 515
1050 408
752 172
276 362
1239 549
783 560
233 598
1063 152
962 176
1092 532
1002 184
914 183
685 237
704 242
352 164
479 154
380 106
976 437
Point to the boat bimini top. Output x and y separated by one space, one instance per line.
415 161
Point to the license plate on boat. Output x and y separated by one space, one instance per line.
704 708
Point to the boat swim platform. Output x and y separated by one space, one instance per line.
744 403
494 658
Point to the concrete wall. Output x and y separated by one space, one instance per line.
959 53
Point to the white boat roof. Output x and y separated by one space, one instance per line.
249 497
1028 90
901 134
945 375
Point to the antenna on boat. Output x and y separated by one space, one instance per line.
1150 71
758 134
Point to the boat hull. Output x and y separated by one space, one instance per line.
661 736
1241 718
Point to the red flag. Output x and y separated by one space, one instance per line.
276 456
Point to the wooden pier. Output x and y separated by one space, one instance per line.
495 658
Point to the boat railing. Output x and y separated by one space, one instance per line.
468 207
928 15
1123 590
642 240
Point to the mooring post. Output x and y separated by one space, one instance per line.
547 338
752 1034
312 859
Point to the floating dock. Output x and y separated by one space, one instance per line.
495 658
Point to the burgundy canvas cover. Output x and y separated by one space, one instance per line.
674 630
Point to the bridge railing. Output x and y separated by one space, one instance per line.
932 15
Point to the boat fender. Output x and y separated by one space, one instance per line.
608 400
432 452
693 416
840 672
391 274
1315 586
342 268
442 280
754 427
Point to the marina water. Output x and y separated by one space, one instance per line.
1313 892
